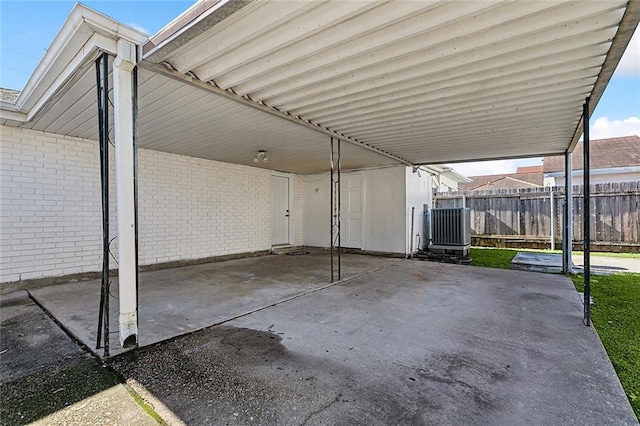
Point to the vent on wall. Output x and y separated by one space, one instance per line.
450 227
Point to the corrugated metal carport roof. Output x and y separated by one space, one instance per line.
426 81
414 82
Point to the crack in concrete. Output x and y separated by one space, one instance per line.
321 409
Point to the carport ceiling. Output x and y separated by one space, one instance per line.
426 81
184 119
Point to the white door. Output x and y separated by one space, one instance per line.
351 210
280 226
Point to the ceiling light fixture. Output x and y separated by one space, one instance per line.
261 156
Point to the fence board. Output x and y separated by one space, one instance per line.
615 211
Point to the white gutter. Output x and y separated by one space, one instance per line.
8 111
198 18
456 176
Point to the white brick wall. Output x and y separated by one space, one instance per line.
189 208
50 194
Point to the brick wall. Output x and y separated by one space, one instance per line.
189 208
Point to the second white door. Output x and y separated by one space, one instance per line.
351 210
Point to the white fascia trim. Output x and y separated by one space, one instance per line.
456 176
445 171
187 27
89 52
72 41
611 170
8 111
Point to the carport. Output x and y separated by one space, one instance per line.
325 86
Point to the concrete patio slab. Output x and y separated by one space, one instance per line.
552 262
176 301
412 343
537 262
612 264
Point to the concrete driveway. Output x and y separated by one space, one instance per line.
176 301
408 343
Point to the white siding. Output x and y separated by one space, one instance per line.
384 219
189 208
384 210
418 194
596 178
316 213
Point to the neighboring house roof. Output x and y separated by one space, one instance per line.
530 169
604 154
505 181
8 95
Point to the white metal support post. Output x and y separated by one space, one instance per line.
123 66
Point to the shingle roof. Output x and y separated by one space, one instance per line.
507 182
8 95
530 169
604 154
503 181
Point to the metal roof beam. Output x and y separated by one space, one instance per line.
161 69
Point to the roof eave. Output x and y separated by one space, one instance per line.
456 176
200 17
84 32
628 24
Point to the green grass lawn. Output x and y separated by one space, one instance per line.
492 257
615 314
616 317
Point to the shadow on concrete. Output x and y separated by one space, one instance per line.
411 343
45 377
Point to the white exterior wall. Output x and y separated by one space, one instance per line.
384 217
50 205
597 178
418 194
316 212
188 208
446 184
384 210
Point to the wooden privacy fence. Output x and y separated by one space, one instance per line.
538 212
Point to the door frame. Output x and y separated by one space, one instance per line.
292 213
